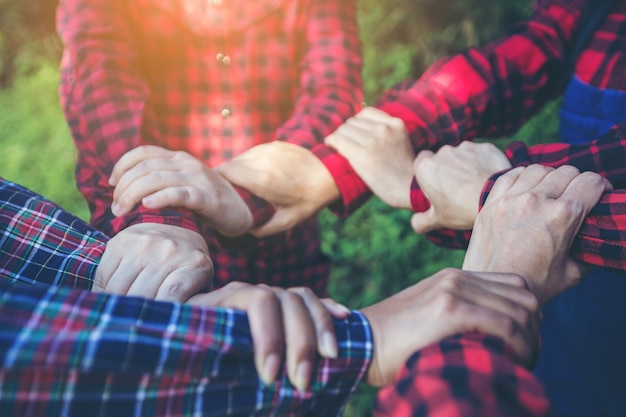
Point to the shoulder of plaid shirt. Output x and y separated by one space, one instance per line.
68 351
104 91
457 99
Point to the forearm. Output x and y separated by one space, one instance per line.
159 358
469 375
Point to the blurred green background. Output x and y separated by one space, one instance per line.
375 252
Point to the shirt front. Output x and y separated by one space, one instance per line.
212 78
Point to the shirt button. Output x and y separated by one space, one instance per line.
226 113
223 59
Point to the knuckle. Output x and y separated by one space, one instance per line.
568 168
446 304
237 285
177 289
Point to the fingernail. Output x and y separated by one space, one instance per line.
270 368
112 180
341 309
303 372
329 345
115 208
147 201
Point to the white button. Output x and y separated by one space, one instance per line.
226 113
223 59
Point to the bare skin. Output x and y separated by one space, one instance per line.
452 180
291 323
290 177
378 149
157 177
535 212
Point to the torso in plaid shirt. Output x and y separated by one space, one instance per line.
213 78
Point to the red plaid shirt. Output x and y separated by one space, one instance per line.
466 375
213 78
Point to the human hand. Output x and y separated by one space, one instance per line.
157 177
528 223
155 260
450 302
292 320
378 148
452 180
290 177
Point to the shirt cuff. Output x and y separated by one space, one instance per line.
260 209
354 192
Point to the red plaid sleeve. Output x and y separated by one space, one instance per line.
330 77
466 375
103 98
489 91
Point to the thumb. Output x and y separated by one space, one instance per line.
425 221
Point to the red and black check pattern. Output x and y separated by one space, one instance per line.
214 79
466 375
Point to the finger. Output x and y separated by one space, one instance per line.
555 182
336 309
426 221
147 282
513 300
346 141
529 178
266 326
419 160
321 318
587 189
504 184
301 339
486 320
182 283
134 192
135 156
180 196
123 277
509 286
107 266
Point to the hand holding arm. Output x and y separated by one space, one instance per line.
378 148
290 177
529 222
452 180
155 260
292 320
445 304
157 177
